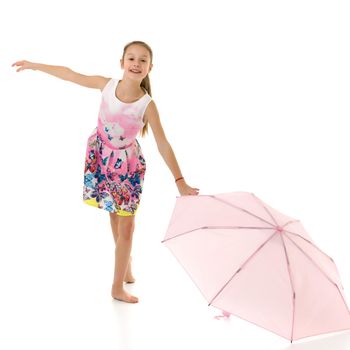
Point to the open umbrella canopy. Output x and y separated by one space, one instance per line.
254 262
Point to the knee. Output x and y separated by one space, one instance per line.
126 234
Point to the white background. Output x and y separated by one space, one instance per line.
253 96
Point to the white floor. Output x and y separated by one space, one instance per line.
55 294
253 95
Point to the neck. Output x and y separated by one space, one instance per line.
129 88
130 85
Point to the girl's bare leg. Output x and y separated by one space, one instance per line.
129 278
126 226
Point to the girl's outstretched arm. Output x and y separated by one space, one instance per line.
166 151
65 73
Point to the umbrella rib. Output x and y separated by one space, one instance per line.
313 261
217 227
241 267
320 269
292 285
239 208
308 241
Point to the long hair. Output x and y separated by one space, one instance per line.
145 83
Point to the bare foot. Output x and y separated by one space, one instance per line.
129 278
122 295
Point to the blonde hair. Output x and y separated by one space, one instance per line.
145 83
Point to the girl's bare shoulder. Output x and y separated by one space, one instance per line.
101 81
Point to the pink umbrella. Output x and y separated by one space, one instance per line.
251 261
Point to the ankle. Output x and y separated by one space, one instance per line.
117 286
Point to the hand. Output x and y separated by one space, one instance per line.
186 190
24 65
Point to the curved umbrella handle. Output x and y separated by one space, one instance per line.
225 314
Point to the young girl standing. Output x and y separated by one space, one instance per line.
114 164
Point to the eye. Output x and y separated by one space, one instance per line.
143 60
131 59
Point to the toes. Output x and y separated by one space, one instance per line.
131 299
126 298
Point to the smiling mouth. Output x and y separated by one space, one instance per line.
135 71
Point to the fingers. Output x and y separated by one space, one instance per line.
19 63
189 193
195 191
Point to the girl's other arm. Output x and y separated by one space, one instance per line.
65 73
166 150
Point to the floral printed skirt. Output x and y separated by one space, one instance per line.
113 178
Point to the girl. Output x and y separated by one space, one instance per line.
114 164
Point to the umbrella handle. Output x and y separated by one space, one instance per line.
225 314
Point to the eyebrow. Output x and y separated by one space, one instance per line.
128 54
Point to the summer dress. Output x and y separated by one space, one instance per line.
114 164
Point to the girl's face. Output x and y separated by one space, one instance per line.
136 63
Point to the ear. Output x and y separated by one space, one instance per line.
150 67
121 64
